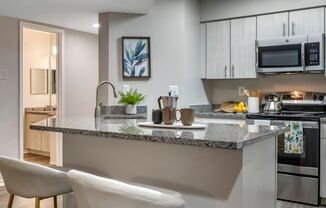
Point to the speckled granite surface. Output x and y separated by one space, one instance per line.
121 109
118 112
124 116
323 119
227 136
206 111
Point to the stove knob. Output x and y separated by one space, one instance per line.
321 97
315 97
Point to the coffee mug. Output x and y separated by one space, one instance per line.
169 116
186 116
157 116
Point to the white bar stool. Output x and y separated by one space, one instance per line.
96 192
30 180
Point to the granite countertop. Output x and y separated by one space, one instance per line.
124 116
206 111
220 115
323 119
118 112
226 136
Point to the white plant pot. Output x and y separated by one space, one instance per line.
131 109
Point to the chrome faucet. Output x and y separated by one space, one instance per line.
98 104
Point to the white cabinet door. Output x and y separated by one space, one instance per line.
243 58
308 21
273 25
218 50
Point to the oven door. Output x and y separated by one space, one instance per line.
298 150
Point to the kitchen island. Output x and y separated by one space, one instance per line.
223 166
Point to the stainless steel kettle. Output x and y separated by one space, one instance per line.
273 105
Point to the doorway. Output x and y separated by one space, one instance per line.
40 92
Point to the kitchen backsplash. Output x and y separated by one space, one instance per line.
219 91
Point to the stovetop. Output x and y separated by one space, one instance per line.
288 115
304 106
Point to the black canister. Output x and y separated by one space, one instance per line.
157 116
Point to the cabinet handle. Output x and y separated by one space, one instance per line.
232 69
284 29
293 28
226 71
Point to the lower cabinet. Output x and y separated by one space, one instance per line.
37 141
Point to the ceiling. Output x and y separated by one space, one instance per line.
73 14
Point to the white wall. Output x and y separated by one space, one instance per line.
37 51
9 91
174 28
225 90
219 9
81 72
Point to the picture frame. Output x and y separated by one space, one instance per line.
136 57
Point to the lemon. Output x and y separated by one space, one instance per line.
244 110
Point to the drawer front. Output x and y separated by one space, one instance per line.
298 189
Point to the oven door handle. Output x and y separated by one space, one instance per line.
305 124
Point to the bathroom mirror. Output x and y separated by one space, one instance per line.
39 81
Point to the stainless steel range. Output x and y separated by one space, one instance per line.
298 149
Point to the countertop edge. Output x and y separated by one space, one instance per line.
162 139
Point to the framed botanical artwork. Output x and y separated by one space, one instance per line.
136 57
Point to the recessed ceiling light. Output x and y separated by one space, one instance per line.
96 25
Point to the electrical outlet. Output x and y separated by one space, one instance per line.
125 88
173 90
241 91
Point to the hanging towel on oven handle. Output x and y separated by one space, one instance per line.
293 140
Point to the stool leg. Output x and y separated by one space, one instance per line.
37 202
55 201
11 200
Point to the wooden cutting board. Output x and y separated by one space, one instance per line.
227 107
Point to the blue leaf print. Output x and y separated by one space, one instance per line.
128 56
139 48
142 71
139 62
126 67
133 73
142 57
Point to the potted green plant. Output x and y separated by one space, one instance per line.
131 99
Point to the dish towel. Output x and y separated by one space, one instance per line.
293 141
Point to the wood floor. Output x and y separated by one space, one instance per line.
38 159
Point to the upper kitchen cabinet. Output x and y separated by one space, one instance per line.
273 25
218 50
243 58
306 21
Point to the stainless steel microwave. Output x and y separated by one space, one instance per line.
291 54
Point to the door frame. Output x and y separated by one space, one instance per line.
60 80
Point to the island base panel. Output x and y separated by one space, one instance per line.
206 177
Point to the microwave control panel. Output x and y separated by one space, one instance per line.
312 54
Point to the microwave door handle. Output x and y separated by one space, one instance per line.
303 55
